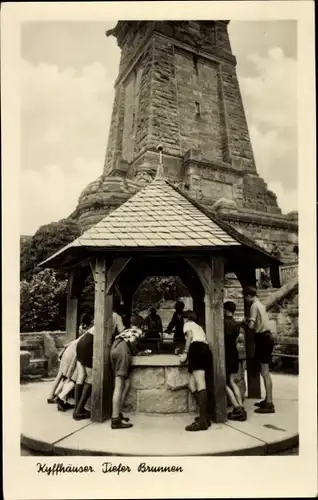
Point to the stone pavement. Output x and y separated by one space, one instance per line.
48 431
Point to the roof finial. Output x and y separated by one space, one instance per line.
160 172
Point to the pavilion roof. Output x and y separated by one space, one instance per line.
158 216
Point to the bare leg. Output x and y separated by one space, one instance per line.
59 388
57 381
125 392
267 382
232 397
199 377
202 423
68 387
117 396
191 383
235 390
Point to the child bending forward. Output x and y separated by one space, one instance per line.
199 357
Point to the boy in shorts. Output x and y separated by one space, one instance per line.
122 350
258 323
231 333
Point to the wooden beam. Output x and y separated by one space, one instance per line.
199 266
113 273
71 318
103 328
71 309
215 333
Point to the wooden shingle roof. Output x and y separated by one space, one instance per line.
158 216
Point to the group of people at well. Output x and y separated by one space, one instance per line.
75 374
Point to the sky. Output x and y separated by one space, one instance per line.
67 76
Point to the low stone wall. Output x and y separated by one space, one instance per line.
39 353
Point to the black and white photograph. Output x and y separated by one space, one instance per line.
159 222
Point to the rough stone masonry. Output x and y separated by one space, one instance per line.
177 85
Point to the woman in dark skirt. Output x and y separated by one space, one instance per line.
84 353
199 357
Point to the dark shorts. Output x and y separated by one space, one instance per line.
120 358
84 350
232 363
199 357
264 344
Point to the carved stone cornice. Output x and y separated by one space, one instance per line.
261 219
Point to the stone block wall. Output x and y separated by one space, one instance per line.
162 386
285 314
269 232
238 135
199 106
159 389
34 346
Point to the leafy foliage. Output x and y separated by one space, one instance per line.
42 302
47 240
155 289
43 292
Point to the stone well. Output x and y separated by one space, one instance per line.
159 385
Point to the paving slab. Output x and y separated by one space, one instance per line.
46 430
41 422
274 429
163 435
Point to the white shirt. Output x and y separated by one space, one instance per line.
259 316
198 334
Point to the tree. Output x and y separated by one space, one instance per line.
154 289
47 240
42 302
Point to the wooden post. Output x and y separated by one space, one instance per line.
215 334
103 328
71 310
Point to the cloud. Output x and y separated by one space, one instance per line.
51 193
65 115
65 118
270 100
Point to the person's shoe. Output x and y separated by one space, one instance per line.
259 404
117 423
64 405
197 419
266 408
197 426
82 416
238 414
51 401
124 419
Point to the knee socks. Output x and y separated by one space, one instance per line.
87 389
203 406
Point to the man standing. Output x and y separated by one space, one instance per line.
176 325
258 323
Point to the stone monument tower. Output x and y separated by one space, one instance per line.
177 85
